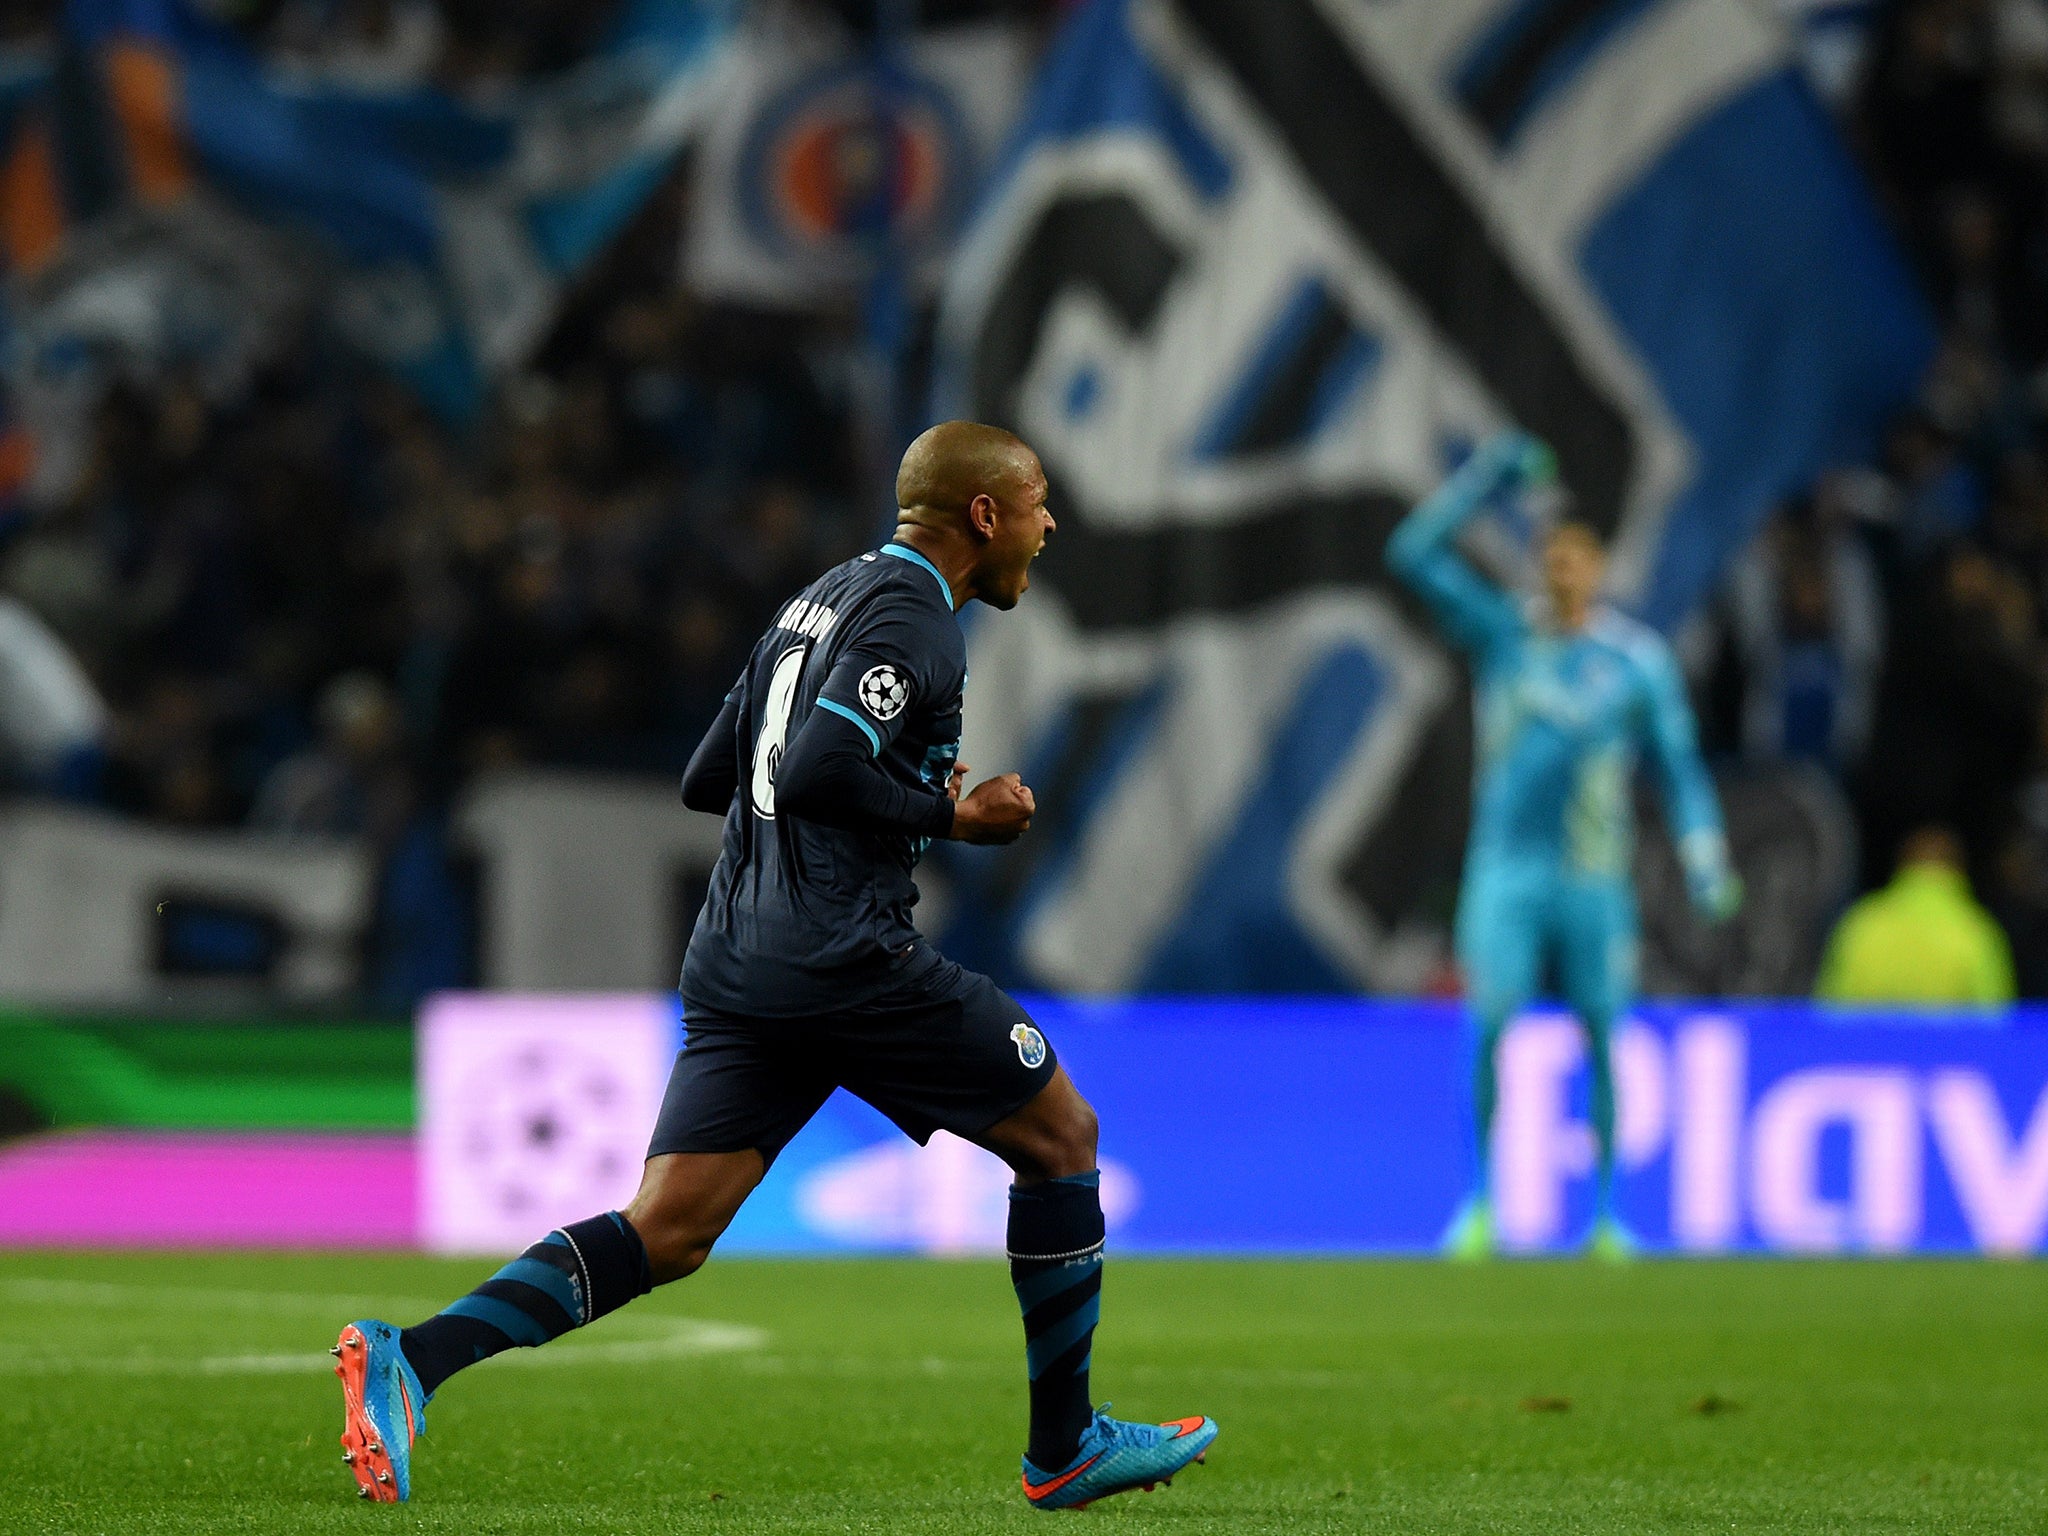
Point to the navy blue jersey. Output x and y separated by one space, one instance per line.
803 917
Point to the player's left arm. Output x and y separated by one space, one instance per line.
831 771
1690 805
827 775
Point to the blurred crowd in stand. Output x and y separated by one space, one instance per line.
316 607
1891 624
318 578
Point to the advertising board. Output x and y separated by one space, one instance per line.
1262 1126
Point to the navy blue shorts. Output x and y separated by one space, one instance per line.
944 1050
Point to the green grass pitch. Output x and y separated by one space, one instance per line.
183 1393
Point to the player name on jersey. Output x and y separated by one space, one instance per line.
807 618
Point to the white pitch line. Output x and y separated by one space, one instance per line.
98 1293
684 1336
677 1338
1256 1376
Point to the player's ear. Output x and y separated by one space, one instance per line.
981 515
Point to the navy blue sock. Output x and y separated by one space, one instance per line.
574 1275
1055 1242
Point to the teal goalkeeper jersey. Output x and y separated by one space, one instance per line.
1562 719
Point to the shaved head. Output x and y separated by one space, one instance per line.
956 461
971 498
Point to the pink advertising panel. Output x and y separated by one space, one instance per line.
534 1111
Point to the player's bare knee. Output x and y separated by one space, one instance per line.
1087 1130
1069 1144
685 1203
675 1229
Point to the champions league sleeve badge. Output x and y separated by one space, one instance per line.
883 692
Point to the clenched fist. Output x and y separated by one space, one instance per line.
997 810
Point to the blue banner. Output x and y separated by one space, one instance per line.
452 229
1324 1126
1251 276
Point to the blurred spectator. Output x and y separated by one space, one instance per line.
2022 910
352 782
1923 939
1934 492
53 723
357 781
1804 616
1957 711
1926 104
1981 285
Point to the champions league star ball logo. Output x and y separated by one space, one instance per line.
542 1129
533 1110
1030 1046
883 692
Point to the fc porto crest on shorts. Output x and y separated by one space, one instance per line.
1030 1046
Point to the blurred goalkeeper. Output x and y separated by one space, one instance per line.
1566 691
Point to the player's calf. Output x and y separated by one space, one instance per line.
1055 1244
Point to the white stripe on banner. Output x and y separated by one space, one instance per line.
1229 684
1148 839
1410 60
1585 148
1261 268
1430 35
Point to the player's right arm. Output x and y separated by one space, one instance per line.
713 775
829 775
1423 551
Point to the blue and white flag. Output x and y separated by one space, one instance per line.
825 162
441 233
1253 272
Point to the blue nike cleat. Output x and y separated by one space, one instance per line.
1116 1457
384 1410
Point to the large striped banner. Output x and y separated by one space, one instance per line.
1254 274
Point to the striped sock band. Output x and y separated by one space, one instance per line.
574 1275
1055 1242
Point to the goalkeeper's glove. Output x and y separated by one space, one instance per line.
1713 885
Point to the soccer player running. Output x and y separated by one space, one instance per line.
834 765
1565 692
